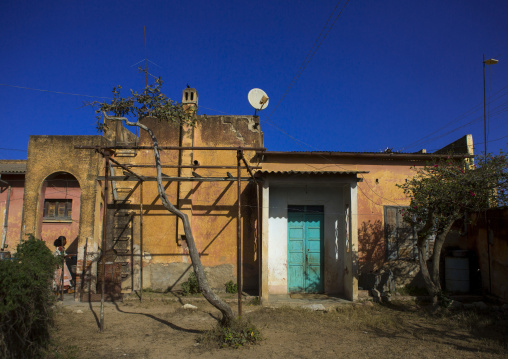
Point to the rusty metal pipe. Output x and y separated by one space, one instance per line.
260 233
247 166
174 179
120 165
194 167
98 148
141 243
103 246
239 235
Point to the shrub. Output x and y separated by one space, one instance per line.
239 333
231 287
25 300
191 285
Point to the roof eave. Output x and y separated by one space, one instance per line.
392 156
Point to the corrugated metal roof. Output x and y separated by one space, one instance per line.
13 167
312 172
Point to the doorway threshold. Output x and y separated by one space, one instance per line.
306 300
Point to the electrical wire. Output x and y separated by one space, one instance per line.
12 149
311 53
57 92
457 119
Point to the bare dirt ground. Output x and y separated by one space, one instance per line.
160 328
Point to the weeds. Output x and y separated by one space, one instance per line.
254 301
191 286
63 352
241 332
231 287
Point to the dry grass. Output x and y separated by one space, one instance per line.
405 329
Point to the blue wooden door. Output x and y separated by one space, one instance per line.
305 249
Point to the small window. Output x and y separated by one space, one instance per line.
58 209
400 237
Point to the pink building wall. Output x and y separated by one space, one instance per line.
15 209
51 230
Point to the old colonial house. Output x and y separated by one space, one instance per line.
303 222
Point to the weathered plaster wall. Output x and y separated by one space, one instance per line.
15 209
48 155
335 195
211 206
214 204
378 189
476 241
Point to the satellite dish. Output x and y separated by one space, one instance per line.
258 99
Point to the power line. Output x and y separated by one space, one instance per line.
499 111
57 92
457 119
12 149
302 144
311 53
211 109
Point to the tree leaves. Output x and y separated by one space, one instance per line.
448 188
151 102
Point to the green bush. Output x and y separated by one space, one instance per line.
26 299
241 332
191 285
231 287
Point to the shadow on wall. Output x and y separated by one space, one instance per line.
250 242
371 246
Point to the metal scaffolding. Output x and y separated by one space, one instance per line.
129 175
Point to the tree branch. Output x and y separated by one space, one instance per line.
225 309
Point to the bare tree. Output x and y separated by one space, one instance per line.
152 103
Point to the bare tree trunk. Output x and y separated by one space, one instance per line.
431 279
429 284
421 242
211 297
436 253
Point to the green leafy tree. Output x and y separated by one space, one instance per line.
443 192
151 102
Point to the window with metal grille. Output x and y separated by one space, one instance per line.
57 209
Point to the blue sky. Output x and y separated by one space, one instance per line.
388 74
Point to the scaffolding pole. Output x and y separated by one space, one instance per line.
103 246
140 243
239 234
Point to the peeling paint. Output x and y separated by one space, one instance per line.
227 121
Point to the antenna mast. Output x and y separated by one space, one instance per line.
146 65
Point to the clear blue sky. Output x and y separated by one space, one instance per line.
388 73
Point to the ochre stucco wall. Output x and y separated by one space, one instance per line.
49 155
376 190
211 206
